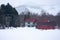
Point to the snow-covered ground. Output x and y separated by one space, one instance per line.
26 33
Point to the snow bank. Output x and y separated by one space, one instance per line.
29 34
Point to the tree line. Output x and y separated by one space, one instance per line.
9 17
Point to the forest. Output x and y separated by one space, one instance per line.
9 17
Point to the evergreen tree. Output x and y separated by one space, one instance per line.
8 15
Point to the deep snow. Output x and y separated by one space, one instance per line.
26 33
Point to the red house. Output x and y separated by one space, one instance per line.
42 24
31 20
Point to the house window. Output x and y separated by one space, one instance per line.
32 25
28 22
28 25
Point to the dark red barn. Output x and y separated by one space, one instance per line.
45 25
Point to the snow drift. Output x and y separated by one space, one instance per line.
29 34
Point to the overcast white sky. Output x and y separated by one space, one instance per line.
48 5
31 2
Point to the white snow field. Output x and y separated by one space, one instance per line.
30 33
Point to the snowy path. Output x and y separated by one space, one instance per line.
29 34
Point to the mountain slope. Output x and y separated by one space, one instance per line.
35 9
31 9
